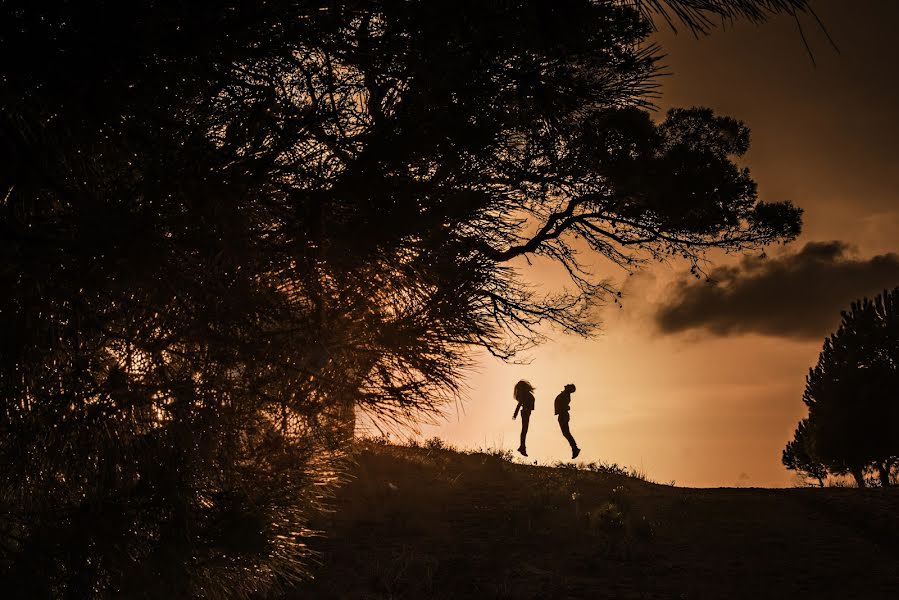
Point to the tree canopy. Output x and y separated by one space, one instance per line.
226 227
853 395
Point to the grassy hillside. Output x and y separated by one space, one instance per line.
419 523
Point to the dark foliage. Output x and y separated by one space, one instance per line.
225 227
797 455
852 396
700 15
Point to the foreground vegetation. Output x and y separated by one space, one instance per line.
433 523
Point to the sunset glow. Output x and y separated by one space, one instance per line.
699 407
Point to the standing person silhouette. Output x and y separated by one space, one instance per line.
524 394
562 406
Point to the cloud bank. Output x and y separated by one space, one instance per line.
795 295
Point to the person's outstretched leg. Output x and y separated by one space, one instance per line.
525 421
563 425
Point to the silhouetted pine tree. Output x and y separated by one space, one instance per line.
852 393
224 227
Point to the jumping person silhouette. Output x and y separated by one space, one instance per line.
563 402
524 394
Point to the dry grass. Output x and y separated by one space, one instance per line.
429 522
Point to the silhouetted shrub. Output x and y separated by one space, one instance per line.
435 443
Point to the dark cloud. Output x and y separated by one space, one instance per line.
798 295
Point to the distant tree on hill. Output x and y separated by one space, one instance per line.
226 227
853 395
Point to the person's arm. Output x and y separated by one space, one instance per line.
517 408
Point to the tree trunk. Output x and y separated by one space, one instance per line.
859 475
884 470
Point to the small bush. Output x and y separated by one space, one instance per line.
381 439
435 443
606 468
606 518
500 453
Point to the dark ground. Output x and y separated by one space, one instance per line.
418 523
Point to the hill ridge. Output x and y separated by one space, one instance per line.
427 523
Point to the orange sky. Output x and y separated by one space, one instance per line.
695 406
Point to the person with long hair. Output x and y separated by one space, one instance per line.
524 395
